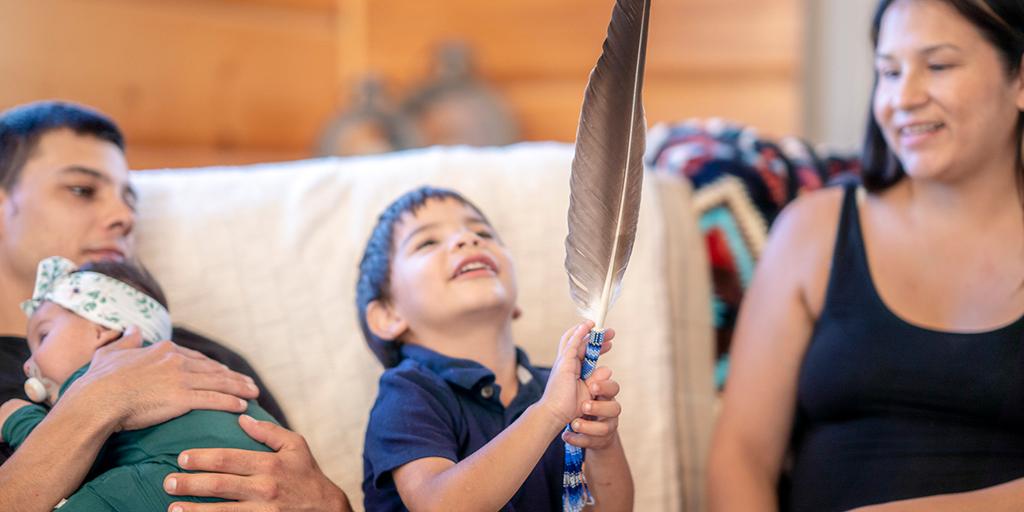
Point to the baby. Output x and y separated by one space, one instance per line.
72 313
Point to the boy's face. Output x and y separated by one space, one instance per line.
447 263
72 199
62 342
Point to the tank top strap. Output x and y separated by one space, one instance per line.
849 277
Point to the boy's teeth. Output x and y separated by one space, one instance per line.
472 266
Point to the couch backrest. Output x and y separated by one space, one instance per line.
263 258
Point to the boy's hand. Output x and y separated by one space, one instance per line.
598 426
565 393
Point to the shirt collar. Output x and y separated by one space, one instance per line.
464 373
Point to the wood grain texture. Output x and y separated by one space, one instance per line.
242 79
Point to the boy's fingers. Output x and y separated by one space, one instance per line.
595 428
600 373
602 408
603 389
565 337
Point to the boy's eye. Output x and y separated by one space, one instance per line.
425 243
82 191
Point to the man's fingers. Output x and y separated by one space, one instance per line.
225 382
231 487
271 434
227 460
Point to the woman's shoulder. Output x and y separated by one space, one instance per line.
811 221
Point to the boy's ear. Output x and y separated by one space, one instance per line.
384 322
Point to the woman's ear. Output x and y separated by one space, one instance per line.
384 322
1020 84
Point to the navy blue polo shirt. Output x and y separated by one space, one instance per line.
431 405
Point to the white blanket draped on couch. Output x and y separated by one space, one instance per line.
263 258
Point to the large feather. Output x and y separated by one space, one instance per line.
607 168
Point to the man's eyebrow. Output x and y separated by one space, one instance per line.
416 231
88 171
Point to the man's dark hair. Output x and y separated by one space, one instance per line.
375 267
132 274
21 128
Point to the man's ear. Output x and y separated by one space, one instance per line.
384 322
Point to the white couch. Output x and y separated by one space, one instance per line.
263 258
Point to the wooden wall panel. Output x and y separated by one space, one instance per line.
193 73
538 54
197 82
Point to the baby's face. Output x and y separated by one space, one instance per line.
61 341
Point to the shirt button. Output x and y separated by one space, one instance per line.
487 391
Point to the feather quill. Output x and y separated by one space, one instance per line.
607 168
604 194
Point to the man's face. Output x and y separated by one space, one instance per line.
72 199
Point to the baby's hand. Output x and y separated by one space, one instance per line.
597 428
565 393
8 408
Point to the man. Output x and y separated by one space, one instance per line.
64 191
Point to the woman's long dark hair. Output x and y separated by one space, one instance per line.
1001 22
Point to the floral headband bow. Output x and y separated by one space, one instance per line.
98 298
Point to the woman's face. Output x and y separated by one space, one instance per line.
944 101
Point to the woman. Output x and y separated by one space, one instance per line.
878 356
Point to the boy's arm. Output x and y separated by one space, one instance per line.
486 480
606 469
489 478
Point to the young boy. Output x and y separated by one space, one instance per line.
462 420
73 313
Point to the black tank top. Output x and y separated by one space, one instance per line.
888 410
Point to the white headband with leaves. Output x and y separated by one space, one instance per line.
98 298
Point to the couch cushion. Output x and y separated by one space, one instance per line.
263 258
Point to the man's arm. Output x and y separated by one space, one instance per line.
127 387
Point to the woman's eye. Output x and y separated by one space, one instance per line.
939 67
484 234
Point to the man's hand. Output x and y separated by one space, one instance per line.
145 386
288 479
